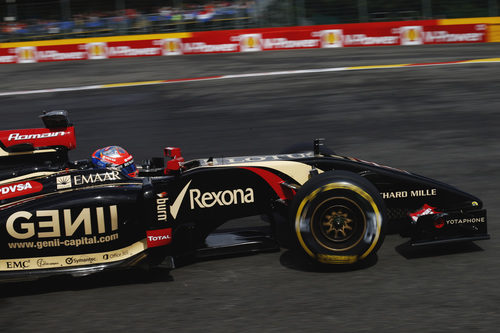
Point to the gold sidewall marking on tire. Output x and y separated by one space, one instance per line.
333 186
347 248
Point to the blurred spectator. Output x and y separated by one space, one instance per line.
53 28
78 23
187 16
205 14
165 13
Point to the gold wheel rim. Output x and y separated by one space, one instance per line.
339 222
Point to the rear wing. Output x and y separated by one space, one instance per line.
58 132
35 147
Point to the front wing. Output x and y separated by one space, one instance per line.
450 227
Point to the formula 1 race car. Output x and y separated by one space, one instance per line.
67 217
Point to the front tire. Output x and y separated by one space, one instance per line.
338 218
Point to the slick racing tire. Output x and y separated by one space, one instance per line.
338 217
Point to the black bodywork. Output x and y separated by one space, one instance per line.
60 216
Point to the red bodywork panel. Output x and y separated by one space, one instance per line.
274 181
40 137
175 164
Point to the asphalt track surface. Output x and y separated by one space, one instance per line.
439 121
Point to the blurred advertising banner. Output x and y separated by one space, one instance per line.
7 56
455 34
406 33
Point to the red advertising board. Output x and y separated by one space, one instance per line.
251 40
139 48
61 53
453 34
7 56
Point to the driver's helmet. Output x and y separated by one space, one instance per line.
115 157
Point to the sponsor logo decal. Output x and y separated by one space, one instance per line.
263 158
208 199
18 189
467 220
80 261
74 260
174 209
446 37
53 55
220 198
56 242
411 193
117 255
19 137
126 51
44 263
250 42
439 223
412 35
283 43
97 51
161 206
425 210
7 59
172 46
362 39
331 259
57 223
331 38
96 178
159 237
26 55
20 264
63 182
202 47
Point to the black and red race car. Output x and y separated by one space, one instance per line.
60 216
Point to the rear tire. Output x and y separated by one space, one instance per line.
338 217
